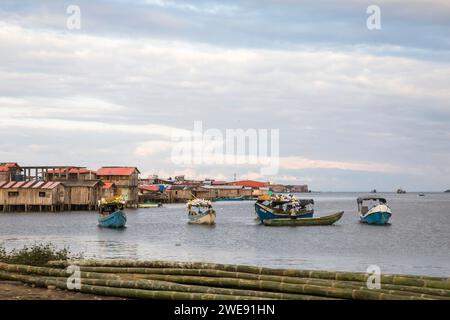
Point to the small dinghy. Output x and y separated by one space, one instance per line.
319 221
281 207
111 214
373 210
146 205
200 211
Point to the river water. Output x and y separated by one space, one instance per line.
416 242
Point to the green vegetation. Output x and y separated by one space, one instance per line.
36 255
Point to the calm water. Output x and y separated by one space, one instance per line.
417 241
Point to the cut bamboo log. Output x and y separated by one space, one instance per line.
122 292
274 286
141 272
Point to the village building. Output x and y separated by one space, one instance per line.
82 194
70 174
31 196
249 183
297 188
126 180
10 171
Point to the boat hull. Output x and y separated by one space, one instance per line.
149 205
378 218
319 221
203 218
117 219
264 213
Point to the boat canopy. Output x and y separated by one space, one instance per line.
373 198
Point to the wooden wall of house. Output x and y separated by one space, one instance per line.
4 176
82 195
122 181
31 196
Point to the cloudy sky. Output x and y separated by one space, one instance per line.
356 109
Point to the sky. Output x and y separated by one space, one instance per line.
356 109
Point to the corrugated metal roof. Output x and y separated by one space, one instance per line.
28 184
223 187
19 184
9 184
116 171
249 183
53 185
80 183
38 185
47 184
153 187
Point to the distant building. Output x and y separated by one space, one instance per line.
297 188
249 183
59 174
126 180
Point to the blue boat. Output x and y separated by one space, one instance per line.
374 210
111 214
280 207
117 219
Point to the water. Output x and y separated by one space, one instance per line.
417 241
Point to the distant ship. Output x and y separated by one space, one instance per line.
401 191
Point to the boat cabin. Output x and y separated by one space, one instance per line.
366 203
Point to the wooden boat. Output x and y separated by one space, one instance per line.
146 205
373 210
200 211
280 207
111 214
319 221
229 199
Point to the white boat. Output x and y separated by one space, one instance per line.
200 211
374 210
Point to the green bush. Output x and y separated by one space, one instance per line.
36 255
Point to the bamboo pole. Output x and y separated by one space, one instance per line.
341 293
225 267
251 276
406 280
122 292
90 277
418 292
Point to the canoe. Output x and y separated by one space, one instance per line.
117 219
149 205
229 199
265 213
319 221
207 217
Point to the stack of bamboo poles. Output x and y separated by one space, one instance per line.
195 281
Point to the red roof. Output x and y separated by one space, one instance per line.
153 187
117 171
29 184
7 165
107 185
249 183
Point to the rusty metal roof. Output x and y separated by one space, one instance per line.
117 171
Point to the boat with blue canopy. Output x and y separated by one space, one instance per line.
280 207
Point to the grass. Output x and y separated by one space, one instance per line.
37 254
